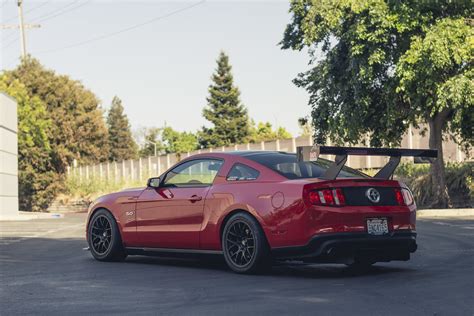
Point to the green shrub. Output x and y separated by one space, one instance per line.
459 180
38 184
88 190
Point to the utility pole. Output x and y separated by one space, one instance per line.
153 143
22 29
22 26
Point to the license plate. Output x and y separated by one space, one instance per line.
377 226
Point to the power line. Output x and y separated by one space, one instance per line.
21 26
37 18
12 34
60 11
48 16
38 6
10 43
28 11
101 37
4 2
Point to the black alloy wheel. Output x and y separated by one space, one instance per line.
103 236
245 245
240 243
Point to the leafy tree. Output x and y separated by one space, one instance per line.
37 181
224 109
178 142
78 130
282 133
385 65
151 137
264 132
305 126
168 141
121 143
261 132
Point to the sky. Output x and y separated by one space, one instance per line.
161 70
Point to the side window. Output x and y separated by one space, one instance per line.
240 172
194 172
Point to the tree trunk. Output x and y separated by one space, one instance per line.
438 176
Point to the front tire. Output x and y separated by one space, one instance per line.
103 236
245 246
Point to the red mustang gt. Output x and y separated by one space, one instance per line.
254 206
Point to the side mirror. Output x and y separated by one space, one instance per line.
154 182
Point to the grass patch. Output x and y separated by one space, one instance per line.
88 190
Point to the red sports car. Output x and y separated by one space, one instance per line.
255 206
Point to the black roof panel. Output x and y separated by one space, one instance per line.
253 153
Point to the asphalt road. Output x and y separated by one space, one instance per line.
43 270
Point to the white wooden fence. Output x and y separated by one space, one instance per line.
143 168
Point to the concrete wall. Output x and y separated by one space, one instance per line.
8 157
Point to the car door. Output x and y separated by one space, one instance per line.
171 215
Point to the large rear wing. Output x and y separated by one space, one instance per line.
312 153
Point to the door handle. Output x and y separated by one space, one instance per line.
195 198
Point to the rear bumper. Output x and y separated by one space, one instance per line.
339 247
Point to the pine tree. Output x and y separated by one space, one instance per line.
224 109
121 143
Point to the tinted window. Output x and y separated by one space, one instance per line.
288 166
240 172
194 172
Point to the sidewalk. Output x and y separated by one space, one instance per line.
452 212
25 216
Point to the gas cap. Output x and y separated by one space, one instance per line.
278 199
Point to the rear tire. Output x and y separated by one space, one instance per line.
103 237
244 244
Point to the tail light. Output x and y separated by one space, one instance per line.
327 197
404 197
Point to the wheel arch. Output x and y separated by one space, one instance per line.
95 210
232 213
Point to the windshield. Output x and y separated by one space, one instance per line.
287 165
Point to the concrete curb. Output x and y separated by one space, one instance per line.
26 216
452 212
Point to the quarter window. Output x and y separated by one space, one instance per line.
240 172
193 173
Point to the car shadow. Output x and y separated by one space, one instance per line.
67 251
280 269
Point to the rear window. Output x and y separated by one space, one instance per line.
240 172
287 165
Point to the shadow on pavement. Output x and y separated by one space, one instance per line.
315 271
67 253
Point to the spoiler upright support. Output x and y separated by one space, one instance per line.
312 153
